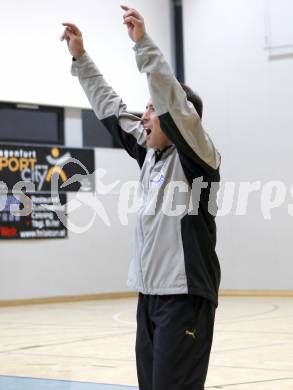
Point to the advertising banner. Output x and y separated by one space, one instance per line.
67 169
28 216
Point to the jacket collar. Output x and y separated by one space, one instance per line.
160 152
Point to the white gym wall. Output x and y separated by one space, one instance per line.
248 93
36 69
35 64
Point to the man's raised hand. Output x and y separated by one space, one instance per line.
134 22
73 37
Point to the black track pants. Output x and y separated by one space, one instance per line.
173 341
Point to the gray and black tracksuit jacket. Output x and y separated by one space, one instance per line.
173 254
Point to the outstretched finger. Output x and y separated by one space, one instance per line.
67 34
64 35
72 27
132 20
131 12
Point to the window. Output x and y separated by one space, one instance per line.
94 132
28 123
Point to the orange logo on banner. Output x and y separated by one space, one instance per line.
55 152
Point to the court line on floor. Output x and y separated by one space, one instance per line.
248 317
95 357
250 368
249 348
275 332
250 383
67 342
116 318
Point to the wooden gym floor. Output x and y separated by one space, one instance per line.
90 345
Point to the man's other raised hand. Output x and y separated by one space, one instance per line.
134 22
72 35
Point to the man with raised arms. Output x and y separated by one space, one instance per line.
175 268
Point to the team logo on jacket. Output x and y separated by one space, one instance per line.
158 180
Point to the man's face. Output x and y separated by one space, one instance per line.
156 138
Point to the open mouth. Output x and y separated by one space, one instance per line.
148 131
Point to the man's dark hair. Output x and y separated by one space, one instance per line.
194 99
